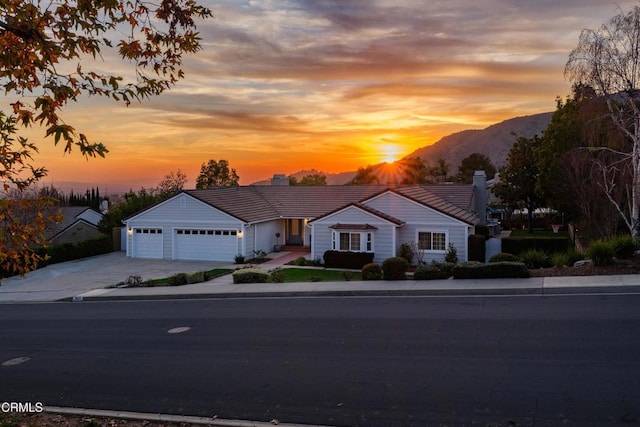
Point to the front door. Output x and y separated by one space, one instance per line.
295 232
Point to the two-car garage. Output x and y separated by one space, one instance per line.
184 228
186 244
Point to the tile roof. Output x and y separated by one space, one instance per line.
262 203
70 216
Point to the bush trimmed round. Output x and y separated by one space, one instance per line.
394 268
371 271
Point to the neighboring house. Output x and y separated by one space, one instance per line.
222 222
78 223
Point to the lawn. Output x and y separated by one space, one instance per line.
313 275
216 272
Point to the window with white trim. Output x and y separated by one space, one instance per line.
352 241
432 241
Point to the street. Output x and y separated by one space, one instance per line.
396 361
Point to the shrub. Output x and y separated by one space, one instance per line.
406 251
494 270
535 258
133 281
197 277
623 246
315 278
350 260
503 256
433 271
451 255
300 261
559 259
239 259
348 275
250 275
178 279
601 252
276 276
371 271
394 268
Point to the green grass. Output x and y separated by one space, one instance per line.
216 272
539 233
312 275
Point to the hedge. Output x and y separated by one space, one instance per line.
350 260
73 251
433 271
517 245
494 270
250 275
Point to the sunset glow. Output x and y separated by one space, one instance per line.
283 86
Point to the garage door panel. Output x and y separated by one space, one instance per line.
147 243
205 245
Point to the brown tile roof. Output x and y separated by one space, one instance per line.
262 203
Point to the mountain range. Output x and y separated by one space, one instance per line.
494 141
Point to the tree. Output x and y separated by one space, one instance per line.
608 60
441 171
569 180
474 162
24 215
216 174
132 202
47 51
312 179
171 183
412 171
364 176
517 185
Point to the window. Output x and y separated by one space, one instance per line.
353 241
432 241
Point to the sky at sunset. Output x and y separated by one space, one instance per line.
282 86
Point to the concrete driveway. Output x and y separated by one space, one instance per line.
72 278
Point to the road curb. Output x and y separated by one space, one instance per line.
381 293
167 418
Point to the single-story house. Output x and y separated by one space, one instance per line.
222 222
79 223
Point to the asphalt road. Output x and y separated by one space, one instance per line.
571 360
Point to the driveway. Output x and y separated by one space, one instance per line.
68 279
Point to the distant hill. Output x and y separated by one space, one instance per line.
494 141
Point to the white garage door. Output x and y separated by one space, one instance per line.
147 243
205 245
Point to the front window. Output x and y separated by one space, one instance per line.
432 241
353 241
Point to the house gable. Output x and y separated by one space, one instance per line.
412 211
183 208
370 224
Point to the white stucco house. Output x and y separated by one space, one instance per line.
219 223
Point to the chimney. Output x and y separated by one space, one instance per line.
480 195
279 179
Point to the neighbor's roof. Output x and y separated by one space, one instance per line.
262 203
70 216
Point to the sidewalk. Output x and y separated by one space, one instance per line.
88 279
223 287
